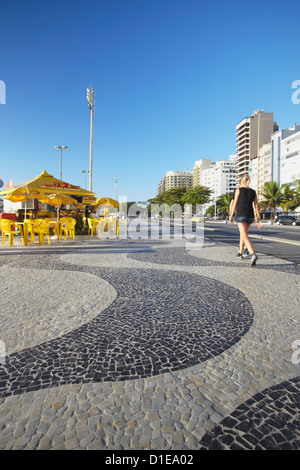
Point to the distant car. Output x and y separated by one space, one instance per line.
287 220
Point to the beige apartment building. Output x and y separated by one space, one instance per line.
251 134
260 169
199 167
175 179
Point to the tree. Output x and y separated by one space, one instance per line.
174 196
272 196
197 195
297 194
159 199
288 197
211 210
223 203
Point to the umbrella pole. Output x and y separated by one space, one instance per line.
25 207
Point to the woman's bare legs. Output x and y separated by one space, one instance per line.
244 238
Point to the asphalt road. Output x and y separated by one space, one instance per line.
275 240
282 241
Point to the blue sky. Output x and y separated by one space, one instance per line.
172 79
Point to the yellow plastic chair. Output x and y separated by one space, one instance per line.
123 225
112 225
92 224
69 228
100 227
6 226
62 222
41 228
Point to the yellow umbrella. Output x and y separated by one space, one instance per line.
48 184
106 201
23 193
58 199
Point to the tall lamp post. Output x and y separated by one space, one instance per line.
91 102
61 148
116 194
85 172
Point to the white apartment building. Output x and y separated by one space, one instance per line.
251 134
220 177
285 165
175 179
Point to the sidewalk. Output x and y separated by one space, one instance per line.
129 345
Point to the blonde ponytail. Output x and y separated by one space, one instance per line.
245 180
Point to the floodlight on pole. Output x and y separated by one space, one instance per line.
61 148
91 102
85 172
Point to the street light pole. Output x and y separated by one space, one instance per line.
116 188
91 102
61 149
85 172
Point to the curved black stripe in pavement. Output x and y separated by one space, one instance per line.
160 321
267 421
183 257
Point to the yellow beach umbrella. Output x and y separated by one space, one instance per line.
57 199
48 184
106 201
23 193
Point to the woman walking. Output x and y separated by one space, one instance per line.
246 206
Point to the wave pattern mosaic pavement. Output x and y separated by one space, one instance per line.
268 421
159 322
162 320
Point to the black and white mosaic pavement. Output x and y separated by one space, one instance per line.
162 320
159 322
270 420
181 257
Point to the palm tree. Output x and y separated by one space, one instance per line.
272 196
223 202
288 197
297 194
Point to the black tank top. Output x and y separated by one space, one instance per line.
244 206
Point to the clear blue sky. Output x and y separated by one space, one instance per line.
172 78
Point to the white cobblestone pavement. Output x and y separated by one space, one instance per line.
178 409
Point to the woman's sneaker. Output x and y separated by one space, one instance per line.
254 257
245 253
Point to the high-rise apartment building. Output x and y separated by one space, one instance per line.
175 179
251 134
285 162
260 170
220 177
199 166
